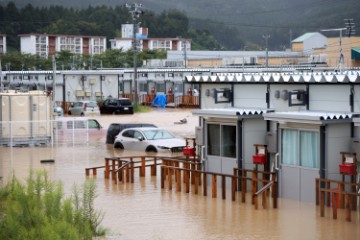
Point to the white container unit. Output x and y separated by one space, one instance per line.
25 118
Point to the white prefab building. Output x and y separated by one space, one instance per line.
305 119
308 42
46 45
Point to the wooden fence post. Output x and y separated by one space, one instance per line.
142 168
107 168
233 188
223 186
162 177
205 184
214 186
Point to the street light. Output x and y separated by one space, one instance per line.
266 37
135 14
350 28
341 60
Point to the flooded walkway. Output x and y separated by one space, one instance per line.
145 211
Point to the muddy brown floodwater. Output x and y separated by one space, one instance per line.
145 211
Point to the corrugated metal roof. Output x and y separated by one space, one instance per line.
304 37
201 55
296 77
231 112
310 116
355 53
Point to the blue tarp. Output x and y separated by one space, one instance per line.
159 101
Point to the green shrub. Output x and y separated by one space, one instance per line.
138 108
38 210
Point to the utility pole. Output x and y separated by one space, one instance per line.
135 14
185 57
266 37
54 80
1 84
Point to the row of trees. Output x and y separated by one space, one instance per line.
95 21
65 60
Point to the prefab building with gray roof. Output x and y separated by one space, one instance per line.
305 119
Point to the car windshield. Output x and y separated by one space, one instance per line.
91 104
157 134
125 102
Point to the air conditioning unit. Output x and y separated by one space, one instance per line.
298 98
80 93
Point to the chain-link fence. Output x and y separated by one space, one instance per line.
59 131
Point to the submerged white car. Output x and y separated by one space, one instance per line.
148 139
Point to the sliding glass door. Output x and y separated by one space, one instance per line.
300 160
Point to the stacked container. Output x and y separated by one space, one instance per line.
25 118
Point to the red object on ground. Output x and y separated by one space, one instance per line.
189 151
259 159
347 168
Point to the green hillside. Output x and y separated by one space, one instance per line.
237 24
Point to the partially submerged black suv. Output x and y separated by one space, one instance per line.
117 106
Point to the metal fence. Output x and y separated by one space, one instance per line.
55 132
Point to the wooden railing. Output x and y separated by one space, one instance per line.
264 193
167 173
187 101
257 177
332 193
188 170
117 167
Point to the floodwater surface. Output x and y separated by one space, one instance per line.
143 210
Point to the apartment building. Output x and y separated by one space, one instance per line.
146 43
46 45
2 43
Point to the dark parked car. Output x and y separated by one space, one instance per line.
117 106
115 128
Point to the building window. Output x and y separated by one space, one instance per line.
300 148
160 87
221 140
179 87
213 139
142 87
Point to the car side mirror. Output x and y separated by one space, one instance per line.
140 139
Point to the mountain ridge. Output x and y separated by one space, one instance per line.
283 20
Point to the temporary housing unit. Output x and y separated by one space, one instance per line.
25 118
305 120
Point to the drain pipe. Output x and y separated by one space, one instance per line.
322 170
240 150
351 102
